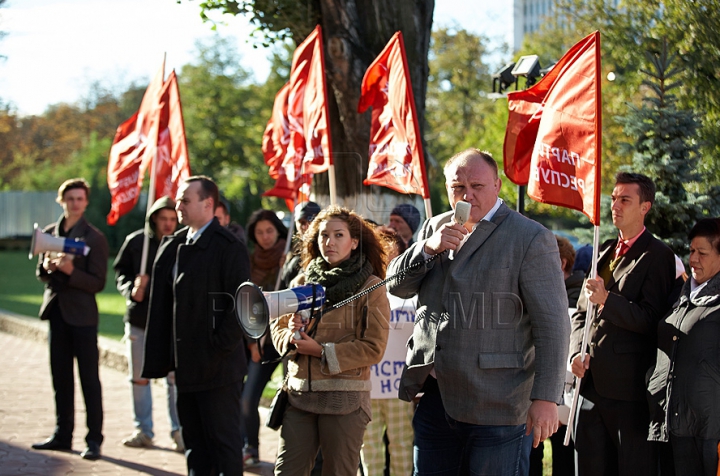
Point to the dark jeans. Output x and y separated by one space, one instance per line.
258 377
563 457
694 456
66 343
444 446
210 422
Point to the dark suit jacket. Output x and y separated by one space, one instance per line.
75 294
191 325
623 337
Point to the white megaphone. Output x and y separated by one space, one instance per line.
42 242
255 308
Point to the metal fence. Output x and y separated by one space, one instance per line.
20 210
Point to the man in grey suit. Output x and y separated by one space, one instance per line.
488 346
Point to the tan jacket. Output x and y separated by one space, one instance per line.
355 337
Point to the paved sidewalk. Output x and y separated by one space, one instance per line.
27 415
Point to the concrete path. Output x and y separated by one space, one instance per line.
27 415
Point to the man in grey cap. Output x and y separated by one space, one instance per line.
405 219
304 214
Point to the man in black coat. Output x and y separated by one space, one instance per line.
69 304
132 283
192 329
636 274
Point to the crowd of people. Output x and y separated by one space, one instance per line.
459 366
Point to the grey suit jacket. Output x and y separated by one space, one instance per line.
493 322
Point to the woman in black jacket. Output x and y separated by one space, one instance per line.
684 389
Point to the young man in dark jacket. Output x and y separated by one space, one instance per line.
132 283
69 304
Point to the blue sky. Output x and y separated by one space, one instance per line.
56 48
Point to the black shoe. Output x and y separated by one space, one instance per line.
92 451
52 443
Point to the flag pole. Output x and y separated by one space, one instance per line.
331 160
586 335
331 177
428 208
288 241
151 189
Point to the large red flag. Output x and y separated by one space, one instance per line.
396 156
132 150
173 163
277 133
553 137
310 149
275 143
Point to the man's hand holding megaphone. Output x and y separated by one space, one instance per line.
305 344
58 262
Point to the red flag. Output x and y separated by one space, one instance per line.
553 137
131 152
293 191
277 133
310 144
173 163
396 156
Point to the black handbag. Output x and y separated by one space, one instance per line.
277 408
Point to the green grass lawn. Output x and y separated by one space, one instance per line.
21 292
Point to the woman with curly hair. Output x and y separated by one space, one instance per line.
329 368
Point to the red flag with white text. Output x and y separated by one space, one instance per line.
173 162
310 148
553 137
277 133
132 150
396 156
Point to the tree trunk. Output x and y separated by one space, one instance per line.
354 33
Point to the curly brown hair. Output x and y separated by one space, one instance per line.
369 244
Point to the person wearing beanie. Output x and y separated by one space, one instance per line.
304 215
405 219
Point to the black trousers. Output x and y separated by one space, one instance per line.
611 437
67 343
210 422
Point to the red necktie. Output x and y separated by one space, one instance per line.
621 250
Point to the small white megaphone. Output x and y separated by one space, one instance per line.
255 309
42 242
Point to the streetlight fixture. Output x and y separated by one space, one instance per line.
529 67
503 79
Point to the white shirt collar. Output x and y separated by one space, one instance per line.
192 238
489 216
695 288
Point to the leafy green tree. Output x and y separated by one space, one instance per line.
354 34
692 27
666 149
225 116
458 112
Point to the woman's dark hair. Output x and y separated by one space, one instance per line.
708 228
368 241
269 215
